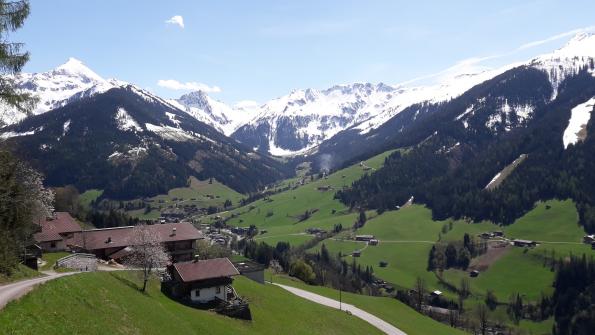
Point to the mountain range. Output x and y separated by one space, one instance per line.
329 127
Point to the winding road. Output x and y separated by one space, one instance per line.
375 321
16 290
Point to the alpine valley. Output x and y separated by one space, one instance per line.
111 135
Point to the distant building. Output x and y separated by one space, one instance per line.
524 243
314 231
240 230
474 273
498 233
589 239
436 293
251 270
55 230
383 264
373 242
203 281
356 253
364 237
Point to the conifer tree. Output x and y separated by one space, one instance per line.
12 55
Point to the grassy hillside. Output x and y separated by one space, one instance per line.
20 273
279 213
388 309
555 221
109 303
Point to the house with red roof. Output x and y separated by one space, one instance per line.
203 281
55 230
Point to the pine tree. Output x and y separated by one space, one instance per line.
12 56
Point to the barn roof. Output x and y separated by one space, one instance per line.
95 239
52 227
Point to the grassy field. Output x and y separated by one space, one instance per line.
388 309
50 258
549 221
279 213
201 193
89 196
110 303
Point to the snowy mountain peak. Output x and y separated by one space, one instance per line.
578 54
75 67
582 44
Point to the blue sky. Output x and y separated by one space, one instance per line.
258 50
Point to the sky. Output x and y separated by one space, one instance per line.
241 51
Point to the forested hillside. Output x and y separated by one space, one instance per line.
450 169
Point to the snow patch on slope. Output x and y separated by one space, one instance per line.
579 118
125 122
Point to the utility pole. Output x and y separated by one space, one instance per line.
340 300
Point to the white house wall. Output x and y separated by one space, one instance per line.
208 294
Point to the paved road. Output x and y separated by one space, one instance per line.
16 290
384 326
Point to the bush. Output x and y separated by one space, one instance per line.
303 271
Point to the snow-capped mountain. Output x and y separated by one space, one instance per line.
303 119
132 143
68 82
300 121
224 118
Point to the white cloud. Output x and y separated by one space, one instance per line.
176 20
191 85
555 38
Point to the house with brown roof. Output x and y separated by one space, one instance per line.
203 281
179 240
55 230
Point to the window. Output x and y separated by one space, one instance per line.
218 289
197 293
52 244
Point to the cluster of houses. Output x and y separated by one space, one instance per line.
190 280
62 233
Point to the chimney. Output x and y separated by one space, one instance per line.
173 231
109 240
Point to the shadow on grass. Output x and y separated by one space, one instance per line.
126 281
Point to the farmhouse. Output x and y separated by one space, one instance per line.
588 239
524 243
54 230
364 237
203 281
356 253
474 273
179 240
373 242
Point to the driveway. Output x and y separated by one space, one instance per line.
16 290
384 326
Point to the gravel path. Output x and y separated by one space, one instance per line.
16 290
375 321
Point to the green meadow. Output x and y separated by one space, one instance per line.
110 303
